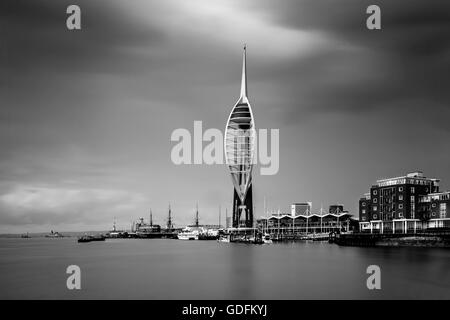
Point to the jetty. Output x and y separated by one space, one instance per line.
427 238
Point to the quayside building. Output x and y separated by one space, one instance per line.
301 220
405 204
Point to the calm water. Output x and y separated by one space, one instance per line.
174 269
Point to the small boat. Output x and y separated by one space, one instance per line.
54 235
85 239
118 234
188 234
254 240
266 239
90 238
224 238
114 233
208 234
98 237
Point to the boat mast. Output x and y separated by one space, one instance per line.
265 213
151 218
226 217
169 219
219 215
196 216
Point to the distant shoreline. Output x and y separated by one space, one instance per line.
68 234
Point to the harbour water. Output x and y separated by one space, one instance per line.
35 268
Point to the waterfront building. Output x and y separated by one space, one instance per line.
240 135
303 208
435 209
404 204
307 222
336 208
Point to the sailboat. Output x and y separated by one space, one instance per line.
266 236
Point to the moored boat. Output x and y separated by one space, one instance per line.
224 238
266 239
54 235
90 238
188 234
208 234
147 230
85 238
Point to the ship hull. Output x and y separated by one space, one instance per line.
155 235
187 236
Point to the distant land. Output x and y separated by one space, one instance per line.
43 234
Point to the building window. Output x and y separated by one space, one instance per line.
400 206
400 189
363 211
400 197
375 217
413 189
375 200
363 204
400 214
433 205
443 210
375 192
375 208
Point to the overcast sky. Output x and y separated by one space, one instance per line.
86 116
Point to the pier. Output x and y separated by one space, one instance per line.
300 236
428 238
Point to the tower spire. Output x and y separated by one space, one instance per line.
244 74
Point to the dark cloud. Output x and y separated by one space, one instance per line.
36 37
51 84
365 71
94 109
408 27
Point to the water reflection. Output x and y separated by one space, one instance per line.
172 269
